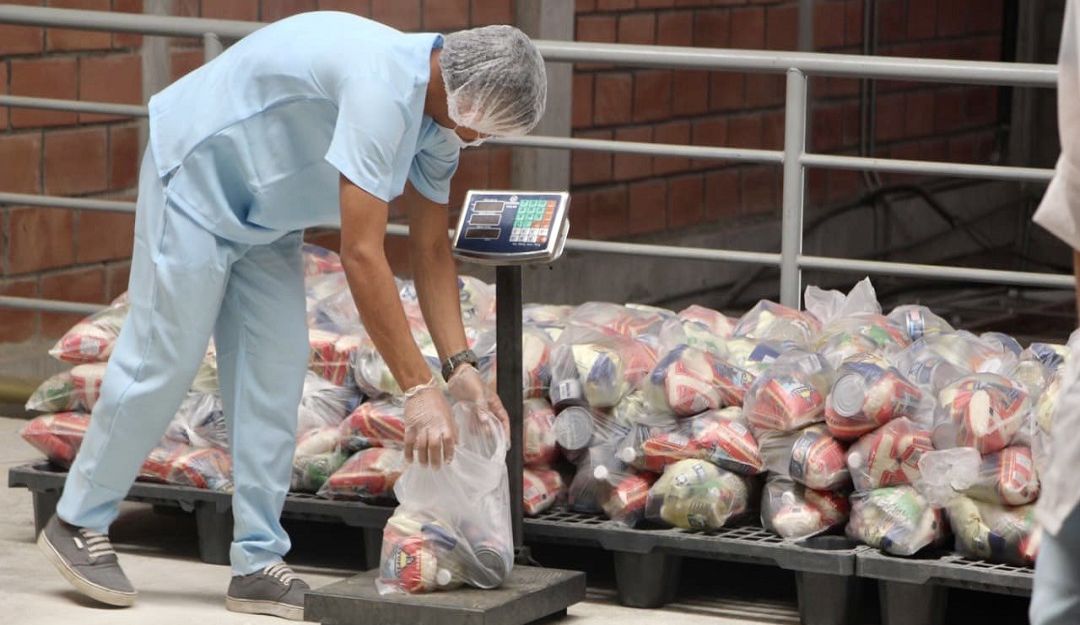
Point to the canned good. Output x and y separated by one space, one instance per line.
539 433
867 396
541 488
984 411
783 400
888 456
574 428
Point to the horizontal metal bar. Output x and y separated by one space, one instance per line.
938 272
105 108
54 201
939 168
640 147
850 65
48 305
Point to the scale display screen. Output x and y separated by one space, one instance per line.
512 227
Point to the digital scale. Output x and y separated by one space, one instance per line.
506 229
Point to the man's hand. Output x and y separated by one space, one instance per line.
467 385
430 431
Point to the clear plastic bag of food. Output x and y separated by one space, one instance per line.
540 448
1002 342
599 368
688 381
896 520
86 380
616 318
828 306
888 456
635 410
769 321
93 338
597 468
324 403
1006 477
1046 406
545 316
1051 355
984 411
697 495
866 396
452 526
716 323
623 496
56 394
367 474
918 321
372 374
680 332
714 436
810 456
374 423
784 399
995 533
541 489
796 512
577 429
58 436
310 471
536 347
477 299
963 350
332 353
200 422
1032 374
319 260
208 468
860 333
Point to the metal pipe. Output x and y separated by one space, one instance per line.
791 221
831 161
105 108
640 147
212 46
806 25
939 272
54 201
48 305
851 65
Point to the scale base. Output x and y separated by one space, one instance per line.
529 594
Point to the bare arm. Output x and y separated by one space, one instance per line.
1076 272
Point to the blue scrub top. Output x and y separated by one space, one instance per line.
250 145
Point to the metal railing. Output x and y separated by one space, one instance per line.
794 158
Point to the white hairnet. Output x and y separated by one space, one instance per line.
495 80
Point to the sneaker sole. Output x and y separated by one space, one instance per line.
97 592
272 608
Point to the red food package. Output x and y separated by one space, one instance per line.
783 400
376 423
368 473
541 488
58 436
540 448
867 396
888 456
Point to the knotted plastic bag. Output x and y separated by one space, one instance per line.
695 494
688 381
93 338
992 532
888 456
769 321
375 423
866 396
918 321
200 422
809 456
896 519
796 512
714 436
984 411
323 403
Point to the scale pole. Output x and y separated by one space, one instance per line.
508 372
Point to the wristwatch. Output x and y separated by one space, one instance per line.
451 364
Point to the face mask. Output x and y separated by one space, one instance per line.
455 139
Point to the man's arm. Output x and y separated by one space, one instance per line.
1076 272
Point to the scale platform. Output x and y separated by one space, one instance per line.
528 595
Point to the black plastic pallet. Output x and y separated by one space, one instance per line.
914 591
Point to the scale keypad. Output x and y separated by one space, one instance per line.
533 221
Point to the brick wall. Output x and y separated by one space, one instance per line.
620 196
83 255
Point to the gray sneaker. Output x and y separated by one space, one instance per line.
87 560
275 590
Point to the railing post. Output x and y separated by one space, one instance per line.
211 45
791 234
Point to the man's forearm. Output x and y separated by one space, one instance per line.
437 286
1076 272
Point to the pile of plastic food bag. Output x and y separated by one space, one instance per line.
896 428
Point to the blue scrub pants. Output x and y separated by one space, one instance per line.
186 285
1056 597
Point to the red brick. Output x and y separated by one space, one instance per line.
919 114
655 4
891 118
75 161
46 78
274 10
647 207
472 173
446 15
181 62
987 18
764 90
18 325
726 91
186 8
761 190
833 87
500 163
633 166
486 12
20 160
773 130
981 105
722 194
247 10
608 217
949 110
41 238
853 22
614 98
675 28
987 49
638 28
584 6
674 133
116 78
596 28
710 131
64 39
817 186
579 215
921 19
77 285
123 157
853 124
748 28
712 28
589 167
690 92
652 95
614 5
127 40
844 185
3 90
953 17
21 39
827 128
582 100
104 236
961 149
829 24
116 279
744 131
892 25
401 14
782 28
686 201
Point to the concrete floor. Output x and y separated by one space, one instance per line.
159 554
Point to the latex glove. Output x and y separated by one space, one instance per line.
467 385
429 425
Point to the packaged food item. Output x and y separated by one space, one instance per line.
540 448
689 381
477 299
178 464
536 347
599 368
888 456
93 338
319 260
87 379
578 428
58 436
623 496
1032 374
963 350
716 323
200 422
367 474
769 321
809 456
987 531
866 396
784 399
622 320
712 436
698 495
374 423
598 468
918 321
310 472
56 394
796 512
324 403
635 410
1006 477
331 353
1047 403
984 411
1002 342
546 316
1051 355
318 441
542 488
895 519
884 336
680 332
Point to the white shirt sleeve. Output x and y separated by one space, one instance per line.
371 124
